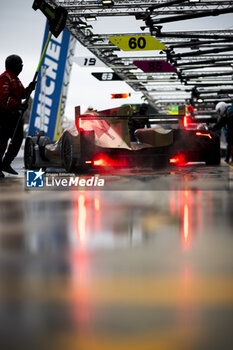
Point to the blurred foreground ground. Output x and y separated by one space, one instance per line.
127 267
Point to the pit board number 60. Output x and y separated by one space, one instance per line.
137 43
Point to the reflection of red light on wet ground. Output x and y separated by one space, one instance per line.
210 208
186 223
181 205
97 204
199 211
82 217
172 205
186 215
79 268
79 285
97 213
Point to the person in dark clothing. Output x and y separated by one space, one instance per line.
12 92
138 123
226 121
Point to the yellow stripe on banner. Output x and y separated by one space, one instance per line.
58 129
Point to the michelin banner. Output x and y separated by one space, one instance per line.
46 107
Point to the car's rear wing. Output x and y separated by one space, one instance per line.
166 119
125 113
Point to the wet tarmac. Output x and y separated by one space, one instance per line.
145 262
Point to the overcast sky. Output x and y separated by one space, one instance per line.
22 31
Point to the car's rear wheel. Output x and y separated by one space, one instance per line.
29 154
69 152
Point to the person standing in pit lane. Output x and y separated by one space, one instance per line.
139 123
12 92
226 120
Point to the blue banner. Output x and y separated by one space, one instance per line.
45 109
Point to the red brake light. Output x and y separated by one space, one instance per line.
78 123
179 159
106 161
186 121
100 162
198 133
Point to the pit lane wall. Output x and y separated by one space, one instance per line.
52 86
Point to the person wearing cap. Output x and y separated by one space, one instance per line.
12 92
226 120
139 123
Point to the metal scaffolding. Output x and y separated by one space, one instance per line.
202 57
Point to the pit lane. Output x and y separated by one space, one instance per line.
145 263
191 176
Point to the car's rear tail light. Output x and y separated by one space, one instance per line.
198 133
106 161
178 159
186 121
100 162
78 123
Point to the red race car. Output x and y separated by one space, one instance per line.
101 140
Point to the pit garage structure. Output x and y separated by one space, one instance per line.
203 58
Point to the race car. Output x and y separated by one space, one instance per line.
101 140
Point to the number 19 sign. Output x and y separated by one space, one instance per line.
88 62
137 43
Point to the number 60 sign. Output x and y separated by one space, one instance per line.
137 43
